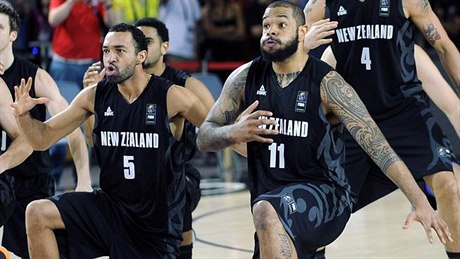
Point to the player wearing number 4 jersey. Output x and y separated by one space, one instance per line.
373 48
138 213
301 198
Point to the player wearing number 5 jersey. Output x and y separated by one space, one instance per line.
291 109
138 213
373 47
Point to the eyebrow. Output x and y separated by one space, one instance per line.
277 16
116 46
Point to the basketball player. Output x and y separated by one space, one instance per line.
301 199
158 42
138 212
16 153
373 46
33 179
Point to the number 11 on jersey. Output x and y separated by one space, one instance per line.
276 151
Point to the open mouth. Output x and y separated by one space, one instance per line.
110 70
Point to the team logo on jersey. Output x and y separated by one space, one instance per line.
384 8
150 114
261 91
109 112
290 203
301 101
342 11
443 152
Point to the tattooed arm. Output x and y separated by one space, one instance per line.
220 130
340 99
420 12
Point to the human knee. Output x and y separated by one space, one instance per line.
264 215
38 213
444 185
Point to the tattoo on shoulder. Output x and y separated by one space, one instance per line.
431 34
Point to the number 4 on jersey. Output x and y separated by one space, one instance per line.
366 58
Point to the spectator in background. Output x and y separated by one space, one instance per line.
181 17
224 32
77 36
223 28
31 27
253 13
133 10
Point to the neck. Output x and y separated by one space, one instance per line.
156 69
293 64
7 57
132 87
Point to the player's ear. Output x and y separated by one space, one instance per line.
164 47
141 56
13 36
302 31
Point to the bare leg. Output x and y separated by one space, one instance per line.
446 189
274 242
42 217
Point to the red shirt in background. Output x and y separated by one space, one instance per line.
79 35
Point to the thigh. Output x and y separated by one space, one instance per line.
7 198
313 214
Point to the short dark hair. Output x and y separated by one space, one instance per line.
154 23
8 9
138 36
297 12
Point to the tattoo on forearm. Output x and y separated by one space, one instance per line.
285 79
347 105
285 247
431 34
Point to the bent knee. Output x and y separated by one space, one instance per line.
43 213
443 184
264 215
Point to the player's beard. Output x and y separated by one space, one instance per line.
122 75
282 53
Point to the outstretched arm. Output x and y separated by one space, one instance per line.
19 149
343 101
45 86
420 12
220 129
41 135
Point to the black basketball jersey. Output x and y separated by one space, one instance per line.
308 147
374 49
179 77
131 143
39 162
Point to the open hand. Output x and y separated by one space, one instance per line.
429 220
250 126
318 34
22 100
92 75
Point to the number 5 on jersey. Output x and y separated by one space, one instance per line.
276 151
128 167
